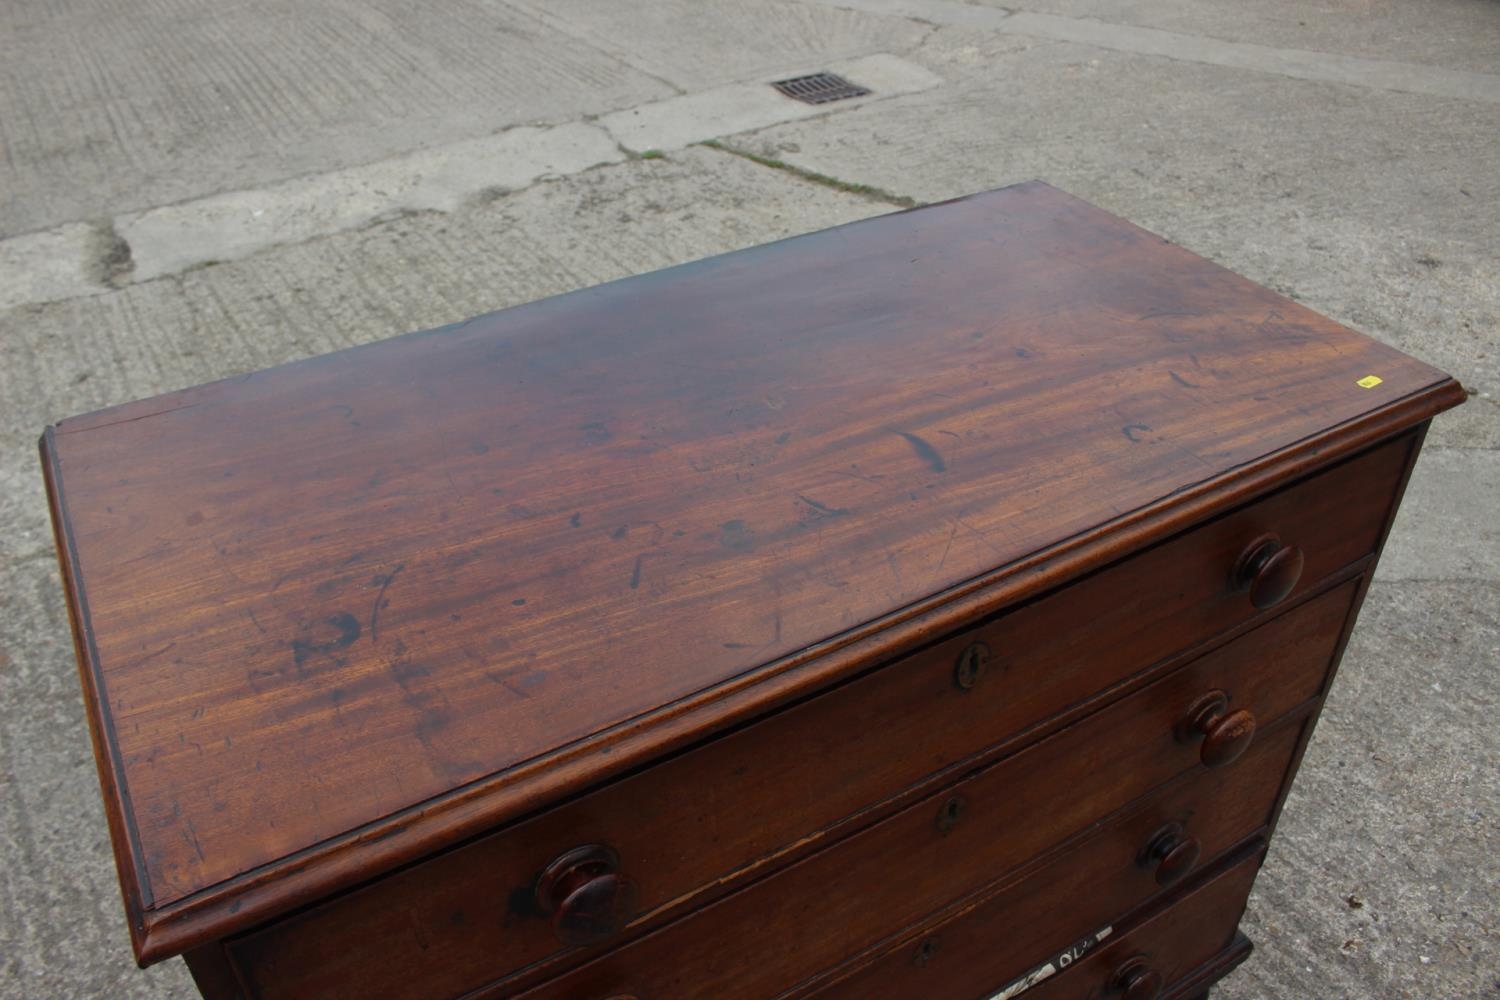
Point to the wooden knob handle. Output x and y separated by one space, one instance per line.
1172 852
585 895
1136 980
1268 570
1225 734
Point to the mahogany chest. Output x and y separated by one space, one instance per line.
933 606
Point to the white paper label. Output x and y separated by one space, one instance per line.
1052 967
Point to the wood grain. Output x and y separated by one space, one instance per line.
335 614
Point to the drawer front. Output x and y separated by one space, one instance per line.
984 953
692 823
1059 785
788 930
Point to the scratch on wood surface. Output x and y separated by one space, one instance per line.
891 561
191 836
980 535
1268 326
822 509
947 548
504 679
60 429
154 654
385 582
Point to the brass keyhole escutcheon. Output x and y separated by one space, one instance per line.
972 663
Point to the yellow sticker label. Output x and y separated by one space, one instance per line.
1369 381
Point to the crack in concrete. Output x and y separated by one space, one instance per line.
813 177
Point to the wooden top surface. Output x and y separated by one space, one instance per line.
315 601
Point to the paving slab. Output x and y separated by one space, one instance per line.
122 107
229 226
444 178
112 109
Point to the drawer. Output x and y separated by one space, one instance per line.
733 806
790 928
984 953
1060 785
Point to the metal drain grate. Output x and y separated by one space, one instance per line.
819 88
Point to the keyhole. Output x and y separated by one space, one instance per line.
925 951
950 812
971 665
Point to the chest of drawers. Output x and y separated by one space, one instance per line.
933 606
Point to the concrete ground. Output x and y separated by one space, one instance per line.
191 189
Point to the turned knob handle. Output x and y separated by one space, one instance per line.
1268 570
585 895
1225 734
1136 980
1173 852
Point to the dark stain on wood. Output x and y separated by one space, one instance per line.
736 536
343 624
925 451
